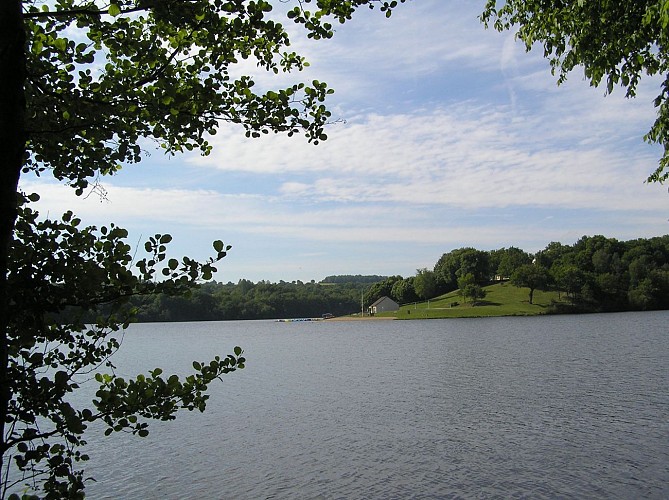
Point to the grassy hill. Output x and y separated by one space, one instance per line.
502 299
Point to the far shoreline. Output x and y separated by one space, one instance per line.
364 318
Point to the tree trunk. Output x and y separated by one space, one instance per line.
12 150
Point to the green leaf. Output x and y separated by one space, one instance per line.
114 10
60 44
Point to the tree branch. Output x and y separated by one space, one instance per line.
57 14
84 11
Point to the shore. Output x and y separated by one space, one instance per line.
363 318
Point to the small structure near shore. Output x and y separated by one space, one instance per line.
384 304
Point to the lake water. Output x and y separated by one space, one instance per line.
542 407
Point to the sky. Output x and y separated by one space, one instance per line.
448 135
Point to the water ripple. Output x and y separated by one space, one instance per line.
557 407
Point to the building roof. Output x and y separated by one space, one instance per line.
382 299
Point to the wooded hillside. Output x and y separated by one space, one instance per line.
594 274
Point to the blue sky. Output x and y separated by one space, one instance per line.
453 136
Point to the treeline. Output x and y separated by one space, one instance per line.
349 278
594 274
262 300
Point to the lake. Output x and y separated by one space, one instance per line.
540 407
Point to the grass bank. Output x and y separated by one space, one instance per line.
502 299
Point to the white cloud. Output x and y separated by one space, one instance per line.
464 155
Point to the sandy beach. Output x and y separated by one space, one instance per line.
364 318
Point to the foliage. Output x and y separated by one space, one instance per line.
380 289
594 274
532 276
425 284
86 86
603 274
614 42
470 291
166 77
71 289
460 262
568 278
553 252
508 260
404 291
265 300
248 300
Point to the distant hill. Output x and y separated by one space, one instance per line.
596 274
358 278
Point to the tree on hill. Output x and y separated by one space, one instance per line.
460 262
569 278
532 276
511 259
553 252
404 291
83 85
381 289
470 290
425 284
615 42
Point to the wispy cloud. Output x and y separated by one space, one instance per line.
464 155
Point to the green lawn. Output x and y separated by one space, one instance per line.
502 299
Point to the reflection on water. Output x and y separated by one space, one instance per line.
565 406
